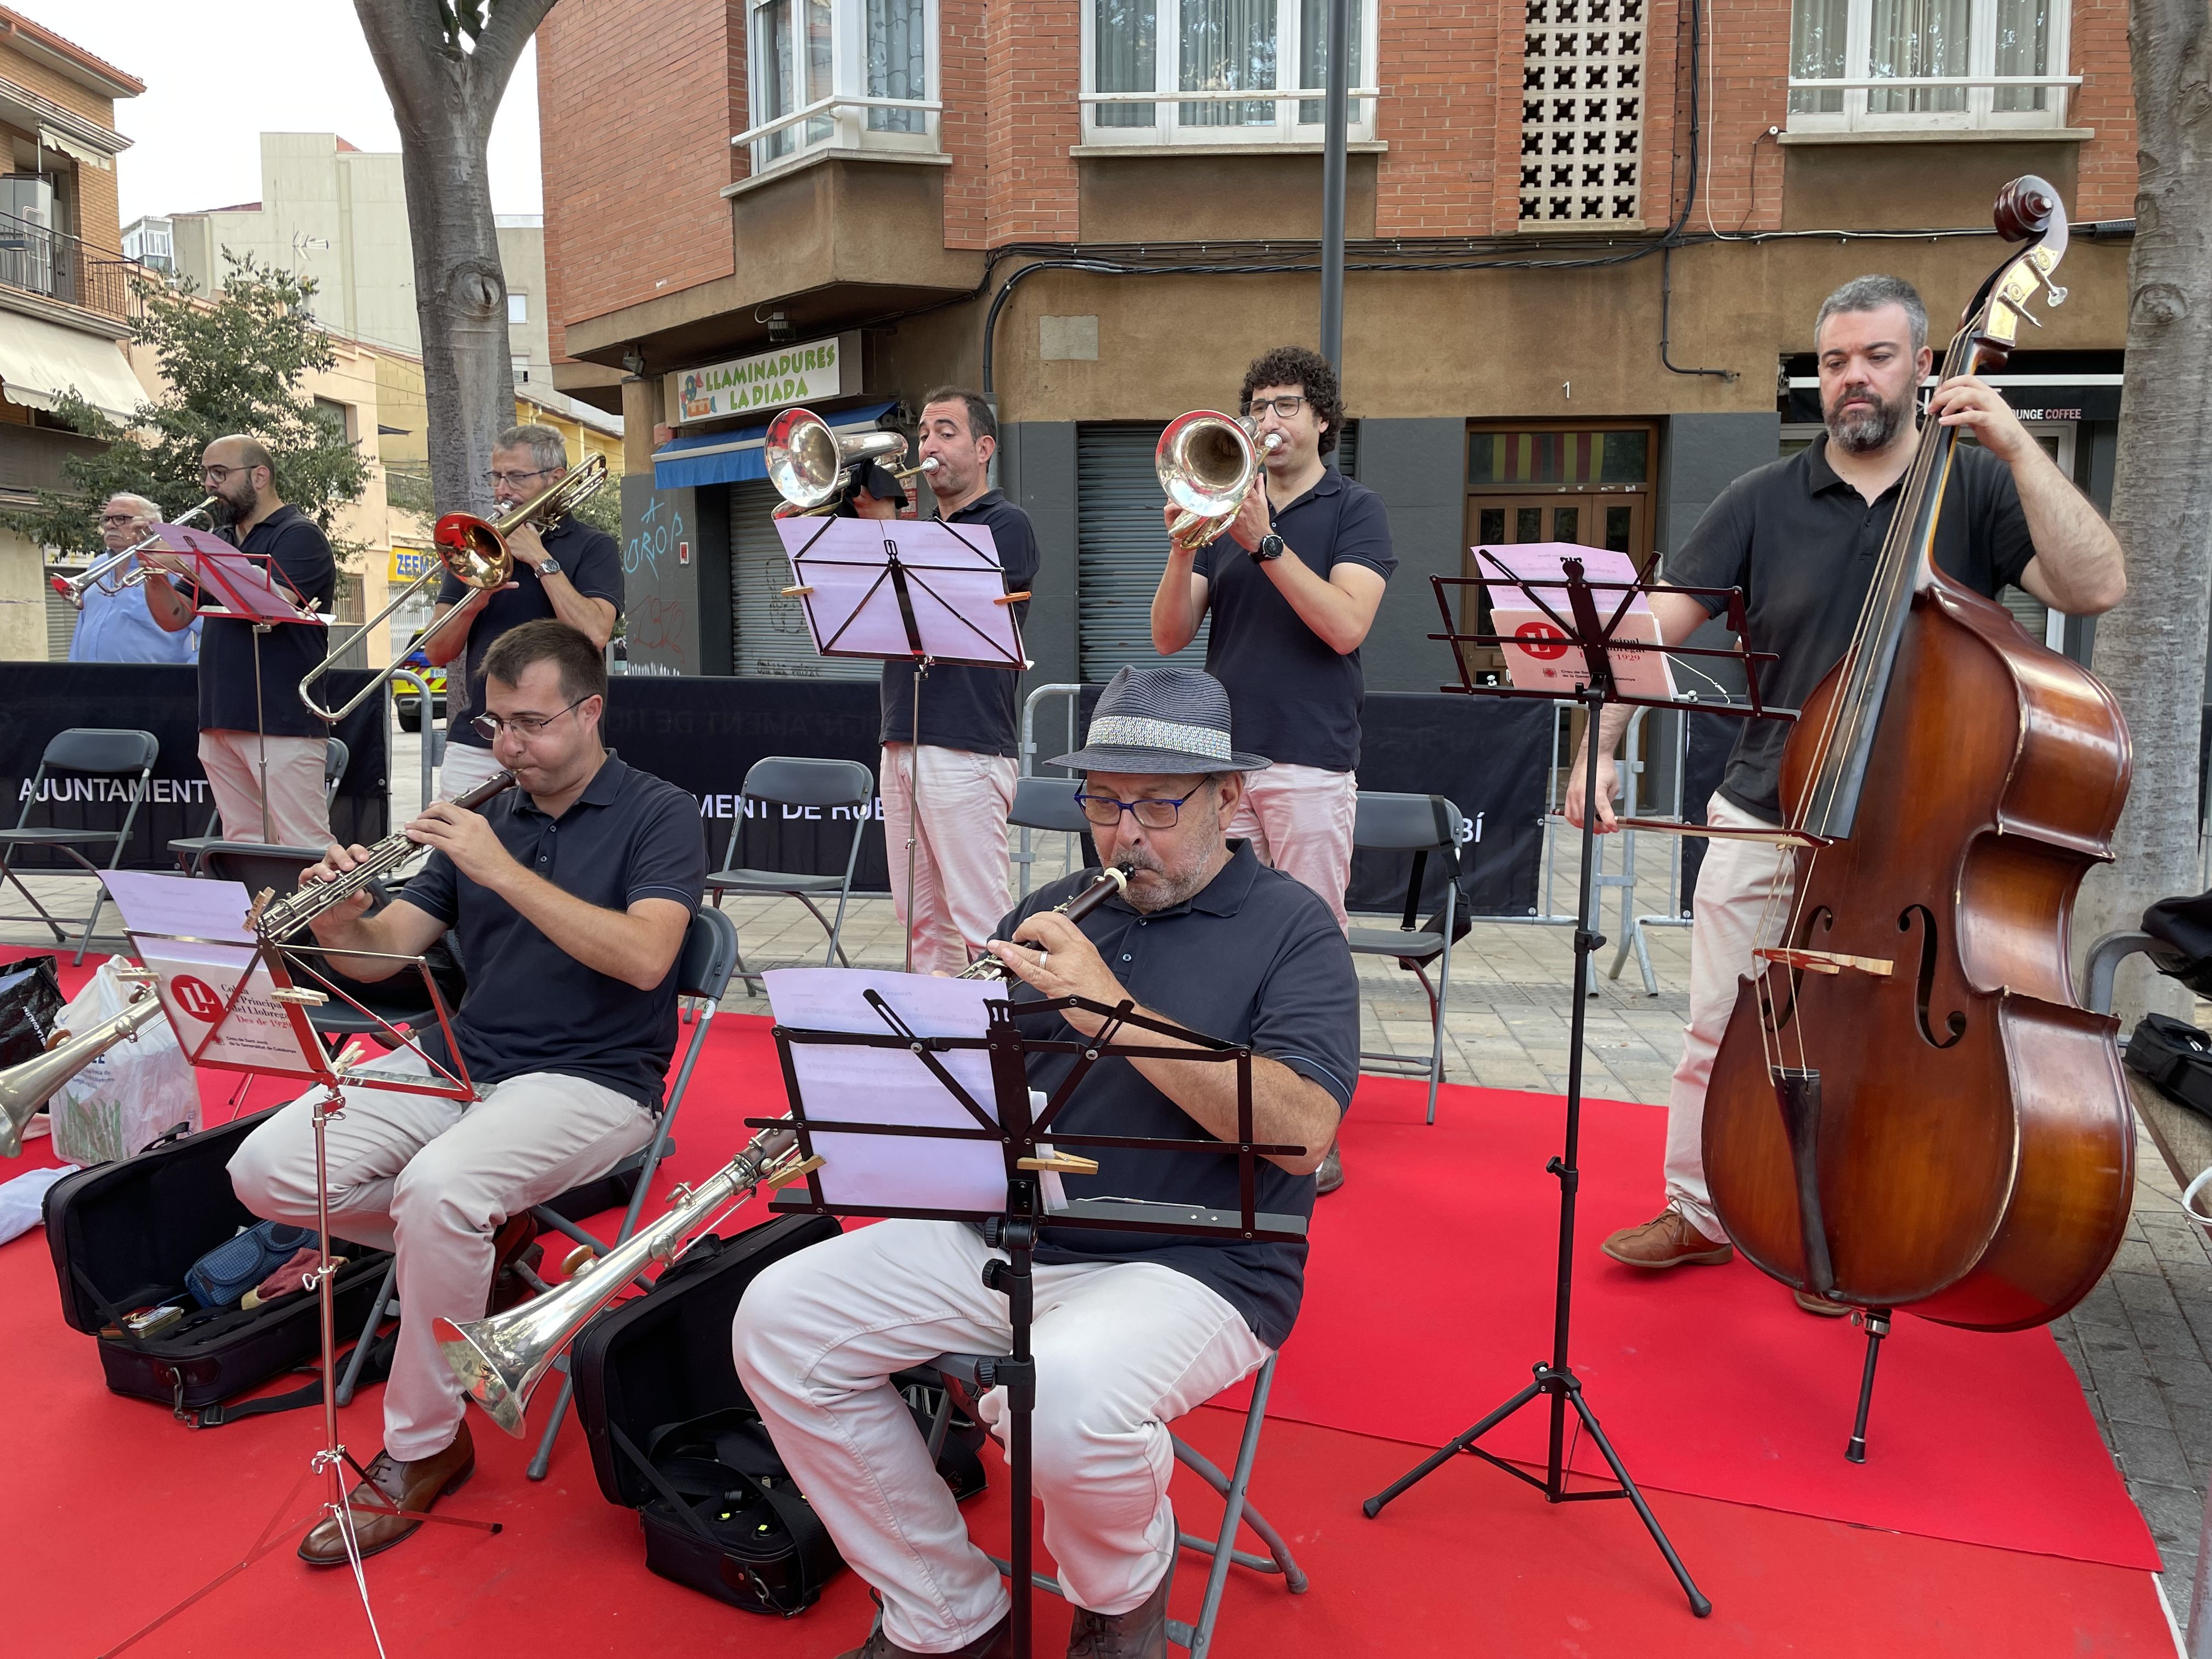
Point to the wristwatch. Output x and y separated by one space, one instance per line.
548 566
1270 547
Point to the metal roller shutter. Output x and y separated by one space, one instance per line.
772 641
1120 546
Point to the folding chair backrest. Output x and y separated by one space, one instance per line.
335 757
1049 804
257 865
710 957
790 781
1404 823
104 750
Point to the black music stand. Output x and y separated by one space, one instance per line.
229 993
253 589
1018 1133
1579 628
941 598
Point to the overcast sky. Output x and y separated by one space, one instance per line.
219 76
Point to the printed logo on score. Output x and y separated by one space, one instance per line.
1541 641
196 998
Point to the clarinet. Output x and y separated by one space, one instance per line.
1112 880
281 920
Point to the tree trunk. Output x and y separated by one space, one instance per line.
2151 649
443 99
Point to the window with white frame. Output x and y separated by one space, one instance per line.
1169 71
1966 63
840 75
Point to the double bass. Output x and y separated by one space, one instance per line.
1909 1107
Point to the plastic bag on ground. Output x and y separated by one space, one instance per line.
132 1095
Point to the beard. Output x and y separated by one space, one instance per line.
226 513
1170 888
1862 431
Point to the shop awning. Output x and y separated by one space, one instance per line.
714 458
39 361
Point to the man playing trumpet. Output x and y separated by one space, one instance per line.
571 894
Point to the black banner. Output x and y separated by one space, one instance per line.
38 700
1486 755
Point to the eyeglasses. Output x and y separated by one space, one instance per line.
513 479
107 519
1154 813
1285 406
218 474
525 727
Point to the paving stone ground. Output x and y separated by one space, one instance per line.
2140 1342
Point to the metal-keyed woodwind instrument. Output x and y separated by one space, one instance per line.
501 1359
283 918
1111 881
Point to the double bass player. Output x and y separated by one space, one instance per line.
1801 536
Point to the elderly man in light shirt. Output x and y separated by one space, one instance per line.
116 626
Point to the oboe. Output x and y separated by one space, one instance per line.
1112 880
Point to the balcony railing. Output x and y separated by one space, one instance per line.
37 259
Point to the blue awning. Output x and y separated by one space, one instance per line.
713 458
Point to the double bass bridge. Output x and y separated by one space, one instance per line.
1824 962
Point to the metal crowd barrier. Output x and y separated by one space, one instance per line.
1025 855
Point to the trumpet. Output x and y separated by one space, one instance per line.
275 919
73 588
500 1360
1109 882
806 460
1206 461
25 1088
472 551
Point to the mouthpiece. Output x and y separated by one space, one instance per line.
1271 443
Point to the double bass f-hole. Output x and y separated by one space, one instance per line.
1955 1021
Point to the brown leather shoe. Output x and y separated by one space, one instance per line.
1139 1633
995 1642
411 1487
1669 1239
1820 1305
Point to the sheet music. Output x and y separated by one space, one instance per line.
952 578
1547 663
150 902
892 1086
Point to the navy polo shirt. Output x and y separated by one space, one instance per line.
1255 958
964 706
1290 696
1803 544
593 564
292 543
531 1006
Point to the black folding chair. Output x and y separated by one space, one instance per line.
789 780
1420 825
84 752
1049 804
191 851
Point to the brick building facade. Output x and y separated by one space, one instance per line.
1567 218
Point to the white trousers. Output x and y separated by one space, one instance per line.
1298 819
960 863
1121 1349
433 1179
1735 885
466 766
298 813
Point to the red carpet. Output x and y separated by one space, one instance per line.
1428 1297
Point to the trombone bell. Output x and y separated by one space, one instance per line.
806 460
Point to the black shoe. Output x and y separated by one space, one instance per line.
1139 1633
1330 1175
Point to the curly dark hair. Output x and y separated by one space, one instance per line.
1309 372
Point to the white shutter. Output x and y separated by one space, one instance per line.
61 616
772 638
1120 549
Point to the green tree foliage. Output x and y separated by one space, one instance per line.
234 363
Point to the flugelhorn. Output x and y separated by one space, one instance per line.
1108 883
806 460
472 550
500 1360
73 588
1206 461
26 1087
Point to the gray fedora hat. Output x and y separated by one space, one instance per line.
1167 721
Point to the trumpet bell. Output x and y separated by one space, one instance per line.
1206 462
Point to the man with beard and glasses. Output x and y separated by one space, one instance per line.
1801 536
261 750
1132 1329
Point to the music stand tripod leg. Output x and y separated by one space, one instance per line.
1877 1326
1016 1374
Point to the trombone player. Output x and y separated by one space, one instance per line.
571 894
567 570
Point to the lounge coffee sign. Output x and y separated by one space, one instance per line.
775 379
